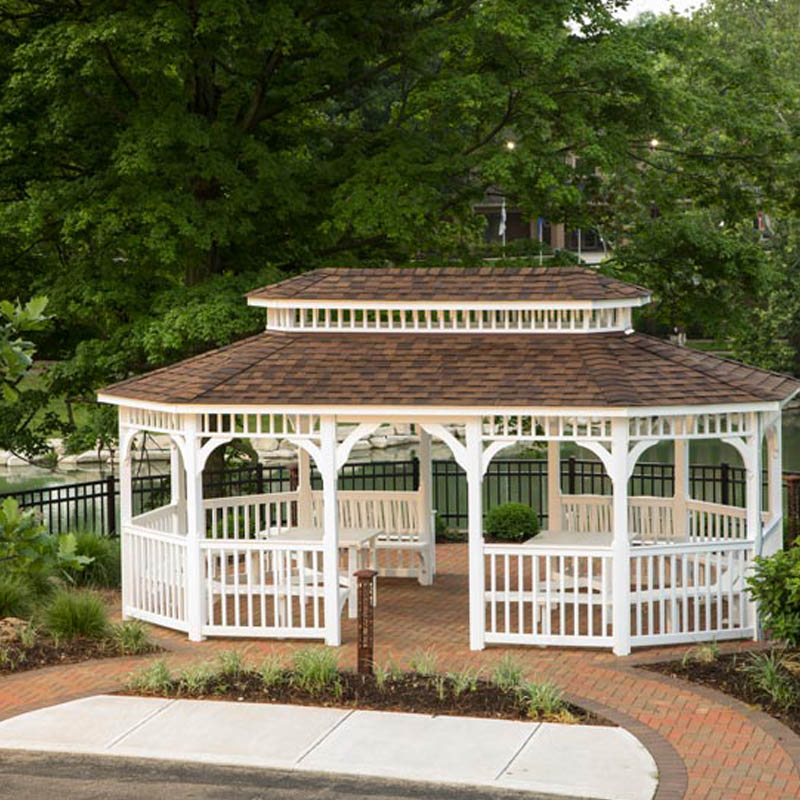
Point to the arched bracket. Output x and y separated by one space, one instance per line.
491 451
458 450
636 451
741 447
312 449
344 449
207 449
603 453
126 437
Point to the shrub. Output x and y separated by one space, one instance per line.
507 674
775 587
70 614
512 521
315 668
130 637
15 597
103 568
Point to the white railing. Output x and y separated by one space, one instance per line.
258 588
546 596
772 536
690 592
715 522
249 516
154 585
162 519
651 519
586 513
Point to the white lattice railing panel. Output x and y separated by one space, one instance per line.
259 588
449 320
695 426
714 522
543 427
249 516
150 420
543 596
690 592
155 577
298 426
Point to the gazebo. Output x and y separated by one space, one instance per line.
481 359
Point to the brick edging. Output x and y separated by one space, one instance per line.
673 777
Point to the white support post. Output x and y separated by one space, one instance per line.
621 543
681 493
554 485
304 493
775 475
426 503
195 529
753 487
330 529
177 485
126 515
477 601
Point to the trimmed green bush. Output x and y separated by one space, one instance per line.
104 568
71 614
775 587
512 522
15 597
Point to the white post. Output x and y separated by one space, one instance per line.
195 529
621 544
177 486
330 530
775 478
753 487
304 493
554 485
126 515
426 503
681 492
477 613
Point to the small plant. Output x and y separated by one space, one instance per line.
103 555
381 674
465 679
272 671
315 668
71 614
770 673
775 587
231 665
130 637
194 679
706 653
155 678
512 522
507 674
8 659
27 636
543 699
423 662
440 682
15 597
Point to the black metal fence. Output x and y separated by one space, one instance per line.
94 504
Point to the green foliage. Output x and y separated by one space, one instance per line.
194 679
15 597
423 662
706 653
72 614
155 678
769 672
775 587
543 699
464 680
231 666
511 521
315 668
507 673
272 671
16 352
28 551
130 637
103 568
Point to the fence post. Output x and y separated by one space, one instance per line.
725 472
414 473
571 475
111 507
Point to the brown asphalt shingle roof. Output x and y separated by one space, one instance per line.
452 284
582 370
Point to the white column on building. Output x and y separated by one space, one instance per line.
474 470
621 544
426 502
753 486
304 493
775 483
195 528
330 525
554 485
681 492
177 484
126 515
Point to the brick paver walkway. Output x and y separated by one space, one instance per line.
706 745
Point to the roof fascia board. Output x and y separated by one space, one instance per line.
451 305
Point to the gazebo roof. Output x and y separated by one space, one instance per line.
464 284
464 370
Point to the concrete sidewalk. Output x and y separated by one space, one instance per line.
574 760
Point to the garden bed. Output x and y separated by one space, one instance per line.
768 680
454 694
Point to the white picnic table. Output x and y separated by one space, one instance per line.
360 546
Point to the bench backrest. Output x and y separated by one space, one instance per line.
391 512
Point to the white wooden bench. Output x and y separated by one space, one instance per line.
406 546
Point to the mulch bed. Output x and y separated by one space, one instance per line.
14 657
725 675
408 692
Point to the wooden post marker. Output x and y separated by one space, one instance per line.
366 620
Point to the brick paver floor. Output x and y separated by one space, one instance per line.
706 745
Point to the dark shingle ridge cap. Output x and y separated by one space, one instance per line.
295 286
